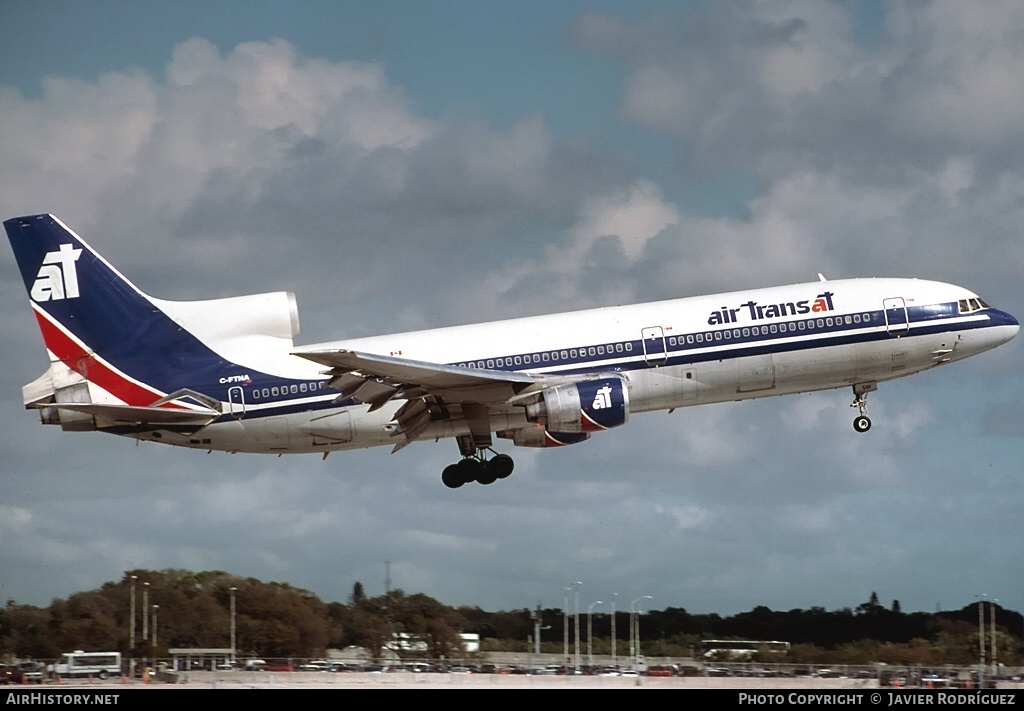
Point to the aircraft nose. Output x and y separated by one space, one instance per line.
1010 325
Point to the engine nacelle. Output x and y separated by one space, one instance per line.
538 436
586 406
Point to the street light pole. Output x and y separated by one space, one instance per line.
992 608
233 590
131 624
981 640
615 659
590 634
565 625
634 643
576 631
145 612
156 610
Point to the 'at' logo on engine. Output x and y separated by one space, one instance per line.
603 399
57 278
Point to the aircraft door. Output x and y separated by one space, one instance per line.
897 323
653 338
236 402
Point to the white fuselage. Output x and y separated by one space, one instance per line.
677 353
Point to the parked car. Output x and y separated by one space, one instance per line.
22 673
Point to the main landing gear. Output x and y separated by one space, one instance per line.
478 469
861 422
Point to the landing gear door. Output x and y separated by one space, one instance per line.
236 402
896 320
654 345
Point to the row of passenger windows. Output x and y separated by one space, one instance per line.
549 356
787 327
687 340
257 393
615 348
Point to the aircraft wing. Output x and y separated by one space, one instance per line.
429 389
376 379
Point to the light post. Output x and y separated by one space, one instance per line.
156 609
634 642
131 628
145 612
565 625
233 590
615 659
576 631
131 623
981 640
992 608
590 634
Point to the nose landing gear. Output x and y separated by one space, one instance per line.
862 423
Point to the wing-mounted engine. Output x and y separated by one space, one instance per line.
581 407
539 436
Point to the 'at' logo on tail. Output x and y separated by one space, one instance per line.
58 277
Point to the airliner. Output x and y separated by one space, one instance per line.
225 374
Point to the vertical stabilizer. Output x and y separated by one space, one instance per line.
107 341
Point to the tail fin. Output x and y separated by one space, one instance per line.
108 342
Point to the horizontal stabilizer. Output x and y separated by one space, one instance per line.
128 414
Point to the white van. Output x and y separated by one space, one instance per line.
79 663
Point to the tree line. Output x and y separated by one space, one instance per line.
276 620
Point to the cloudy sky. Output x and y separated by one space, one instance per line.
403 165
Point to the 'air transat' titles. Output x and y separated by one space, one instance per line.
758 312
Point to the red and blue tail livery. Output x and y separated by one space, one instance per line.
177 372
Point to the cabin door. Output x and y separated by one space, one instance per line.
236 402
896 321
654 345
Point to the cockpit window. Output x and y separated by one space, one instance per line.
971 305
